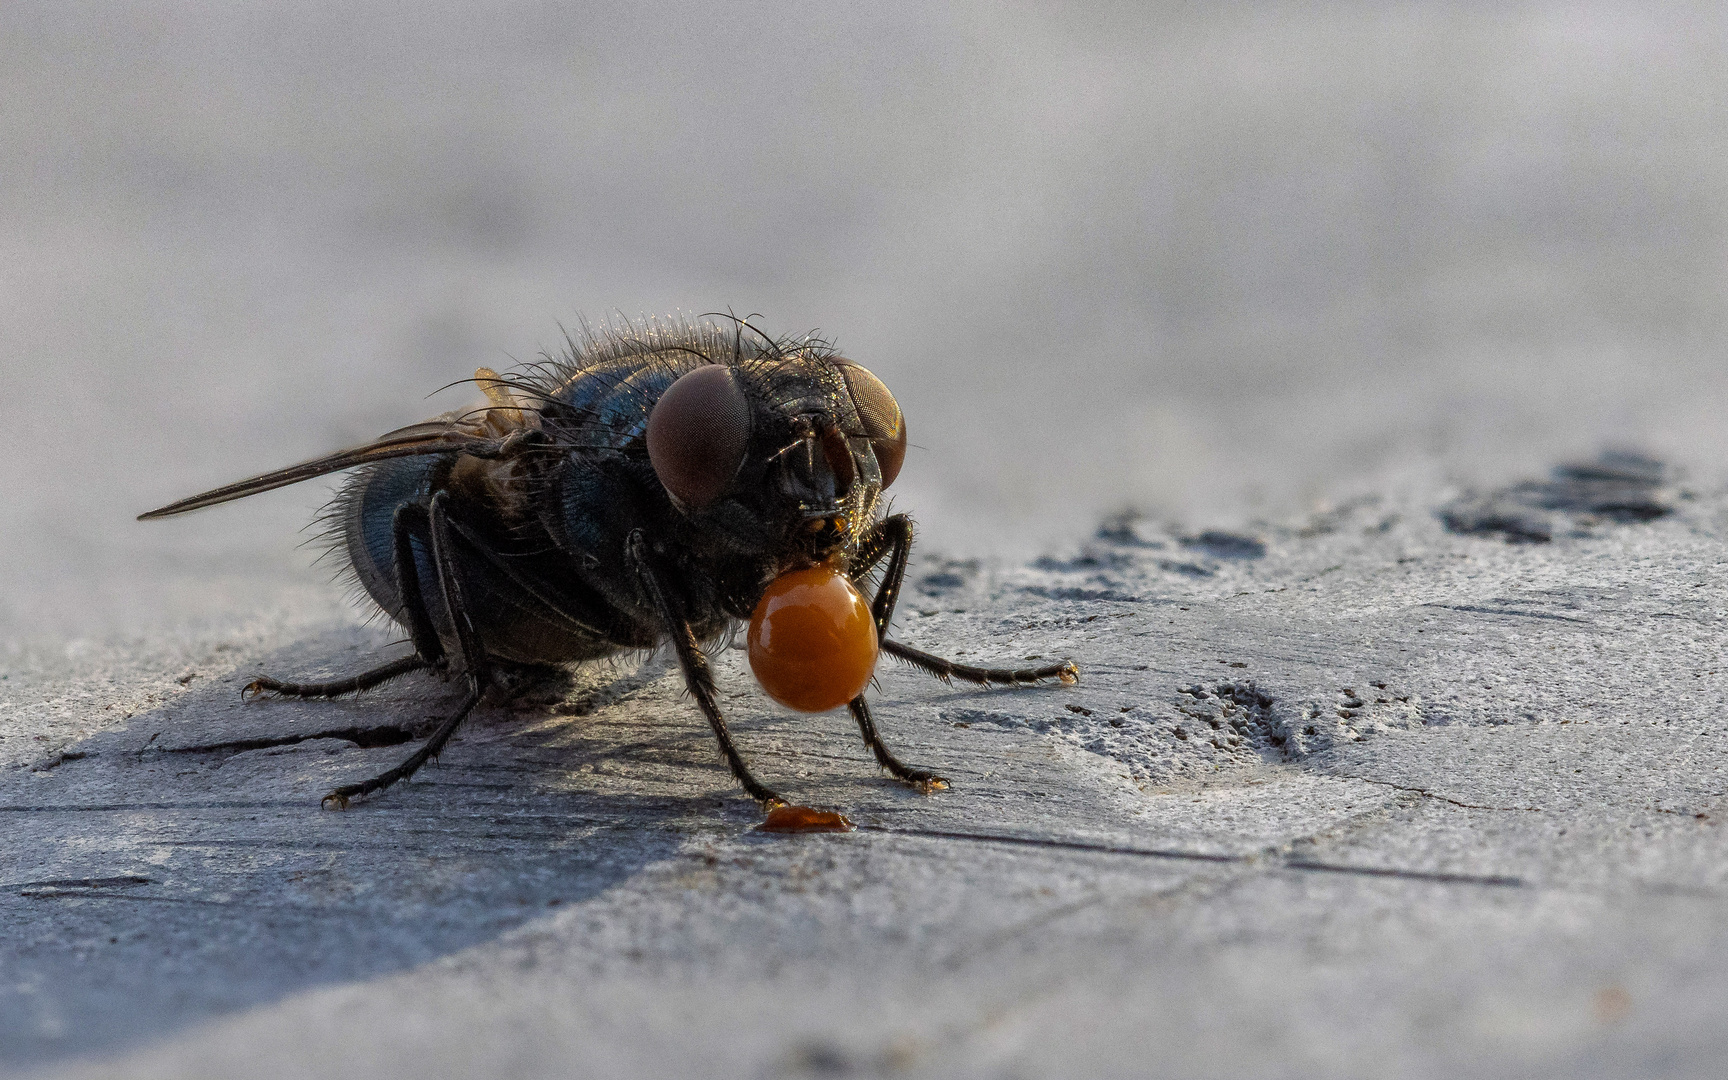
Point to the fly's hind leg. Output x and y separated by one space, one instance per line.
428 650
474 667
335 687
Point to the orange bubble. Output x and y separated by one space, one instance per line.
800 819
812 641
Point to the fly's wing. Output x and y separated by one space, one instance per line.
440 436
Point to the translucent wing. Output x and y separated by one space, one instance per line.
440 436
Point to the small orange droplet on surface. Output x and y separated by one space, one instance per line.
812 641
796 819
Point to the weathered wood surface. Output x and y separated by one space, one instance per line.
1354 796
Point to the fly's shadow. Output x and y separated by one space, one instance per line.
178 871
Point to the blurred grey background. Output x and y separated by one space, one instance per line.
1214 260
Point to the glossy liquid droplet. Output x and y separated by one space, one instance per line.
812 641
797 819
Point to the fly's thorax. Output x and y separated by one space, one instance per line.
503 486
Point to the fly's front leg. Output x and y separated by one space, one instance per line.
474 667
698 678
947 670
893 537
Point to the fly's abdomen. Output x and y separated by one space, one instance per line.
366 512
515 625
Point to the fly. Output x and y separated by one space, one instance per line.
648 486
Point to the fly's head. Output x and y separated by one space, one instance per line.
781 456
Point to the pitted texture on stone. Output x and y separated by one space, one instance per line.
1576 499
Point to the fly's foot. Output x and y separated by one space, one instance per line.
767 798
930 782
1069 674
257 687
334 801
922 780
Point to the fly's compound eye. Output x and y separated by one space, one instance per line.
697 434
883 424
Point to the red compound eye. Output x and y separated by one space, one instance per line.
697 434
883 423
812 641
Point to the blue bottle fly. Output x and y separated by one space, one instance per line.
644 487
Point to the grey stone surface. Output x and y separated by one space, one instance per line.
1220 260
1353 795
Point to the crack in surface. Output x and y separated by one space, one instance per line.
1478 609
100 808
1060 843
123 881
54 761
1425 793
85 894
1267 857
1436 876
972 950
366 738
